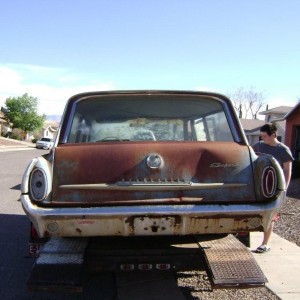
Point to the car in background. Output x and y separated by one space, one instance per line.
44 143
148 163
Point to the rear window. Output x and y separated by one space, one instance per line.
157 118
45 140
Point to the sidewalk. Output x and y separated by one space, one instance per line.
281 265
14 145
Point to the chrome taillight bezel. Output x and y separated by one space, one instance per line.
269 181
38 184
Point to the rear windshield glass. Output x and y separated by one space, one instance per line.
155 118
45 140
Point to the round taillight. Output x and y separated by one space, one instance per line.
269 182
38 185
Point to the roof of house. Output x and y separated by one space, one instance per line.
51 125
277 110
292 111
251 125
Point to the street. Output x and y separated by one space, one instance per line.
15 265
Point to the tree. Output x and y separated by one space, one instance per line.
21 112
247 101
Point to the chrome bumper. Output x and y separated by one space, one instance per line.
150 219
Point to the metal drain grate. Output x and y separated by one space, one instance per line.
231 263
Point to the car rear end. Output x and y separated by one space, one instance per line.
151 163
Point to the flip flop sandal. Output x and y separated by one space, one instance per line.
262 249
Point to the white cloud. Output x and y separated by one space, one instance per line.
10 80
52 86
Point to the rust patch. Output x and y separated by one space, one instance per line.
126 162
222 224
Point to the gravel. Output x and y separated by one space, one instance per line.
288 224
195 285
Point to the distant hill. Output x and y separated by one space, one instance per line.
54 118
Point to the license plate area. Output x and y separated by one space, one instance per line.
155 225
34 249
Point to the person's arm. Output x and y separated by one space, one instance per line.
287 171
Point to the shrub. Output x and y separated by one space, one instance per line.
15 136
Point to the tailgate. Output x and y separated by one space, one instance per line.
128 173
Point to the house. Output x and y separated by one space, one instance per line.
275 113
49 129
252 129
4 126
1 121
276 116
292 130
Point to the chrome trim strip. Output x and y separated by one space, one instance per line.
135 186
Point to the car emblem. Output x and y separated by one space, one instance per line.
154 161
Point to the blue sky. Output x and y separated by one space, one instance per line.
54 49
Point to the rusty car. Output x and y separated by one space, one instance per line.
146 163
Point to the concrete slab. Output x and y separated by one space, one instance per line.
281 265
